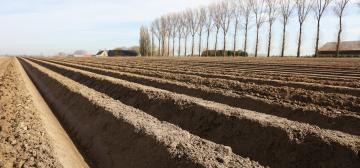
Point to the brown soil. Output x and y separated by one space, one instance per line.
327 117
232 70
189 114
286 92
115 135
183 112
23 139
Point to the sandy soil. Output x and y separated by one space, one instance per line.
279 101
30 135
309 121
184 112
23 142
116 135
188 113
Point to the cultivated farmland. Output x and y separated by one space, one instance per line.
197 112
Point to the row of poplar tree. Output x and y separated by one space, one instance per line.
218 17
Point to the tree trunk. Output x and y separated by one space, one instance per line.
269 42
299 41
200 43
168 48
283 40
179 49
186 37
257 41
339 37
152 44
216 41
173 45
317 38
207 42
246 34
224 48
235 36
193 45
163 47
159 51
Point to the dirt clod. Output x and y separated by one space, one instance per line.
20 142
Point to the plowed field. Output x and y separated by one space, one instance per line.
204 112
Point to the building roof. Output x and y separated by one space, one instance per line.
112 53
99 52
344 46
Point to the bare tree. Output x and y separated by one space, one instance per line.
144 41
208 26
156 28
303 8
272 13
174 30
192 17
319 8
246 8
339 8
225 20
258 10
237 9
202 23
216 15
163 34
286 10
169 27
152 40
180 30
186 30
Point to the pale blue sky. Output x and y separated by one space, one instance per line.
52 26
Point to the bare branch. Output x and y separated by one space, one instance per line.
174 29
144 41
209 24
339 8
303 8
186 30
163 33
272 13
156 30
258 9
319 8
203 17
246 8
286 10
193 18
272 10
237 13
216 16
225 19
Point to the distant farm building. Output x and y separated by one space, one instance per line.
81 53
346 49
219 53
117 53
